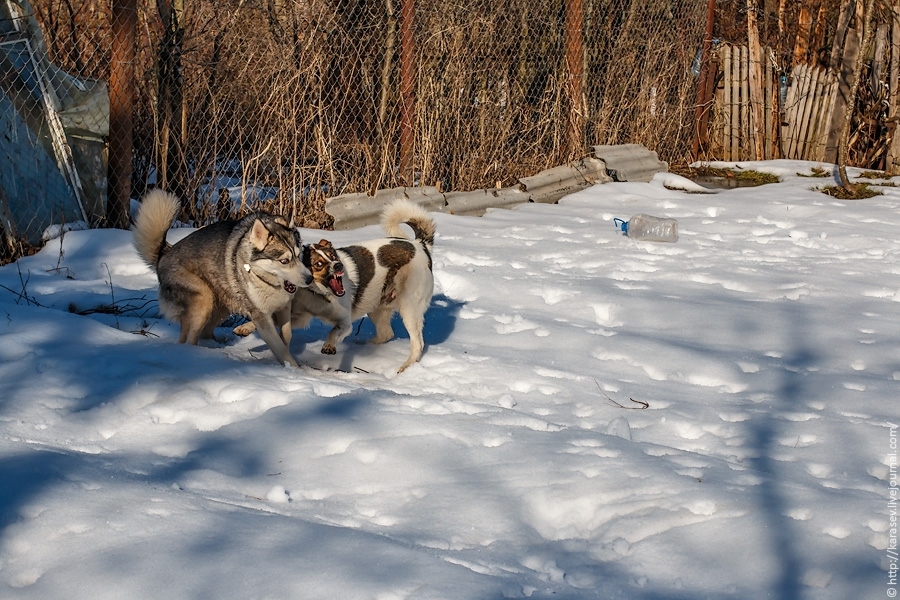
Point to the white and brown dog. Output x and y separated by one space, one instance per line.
375 278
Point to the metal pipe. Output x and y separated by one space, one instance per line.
407 90
121 96
702 98
574 36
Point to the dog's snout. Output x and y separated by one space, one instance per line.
338 267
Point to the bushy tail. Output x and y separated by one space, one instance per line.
403 211
158 211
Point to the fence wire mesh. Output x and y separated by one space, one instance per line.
241 103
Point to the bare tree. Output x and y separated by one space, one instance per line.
844 143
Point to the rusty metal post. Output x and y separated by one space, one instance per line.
574 66
407 90
701 111
121 98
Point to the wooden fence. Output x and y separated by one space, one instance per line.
796 126
733 124
809 113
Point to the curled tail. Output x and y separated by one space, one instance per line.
158 211
403 211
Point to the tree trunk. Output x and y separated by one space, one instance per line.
757 103
892 163
844 144
840 33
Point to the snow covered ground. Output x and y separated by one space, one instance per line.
516 459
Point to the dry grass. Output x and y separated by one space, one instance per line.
12 250
857 191
750 177
873 175
289 103
818 172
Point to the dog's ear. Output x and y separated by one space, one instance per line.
259 235
324 244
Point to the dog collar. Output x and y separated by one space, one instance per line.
268 278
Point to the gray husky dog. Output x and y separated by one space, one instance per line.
376 278
252 266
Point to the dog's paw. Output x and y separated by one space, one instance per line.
245 329
329 349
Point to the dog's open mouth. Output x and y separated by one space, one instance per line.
289 287
335 283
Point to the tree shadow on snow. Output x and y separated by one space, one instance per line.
764 430
796 330
25 476
792 393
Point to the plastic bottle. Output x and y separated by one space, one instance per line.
649 229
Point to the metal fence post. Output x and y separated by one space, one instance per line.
121 96
407 90
574 66
700 139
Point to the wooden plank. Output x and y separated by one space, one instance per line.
768 97
790 115
830 93
815 115
806 116
777 108
735 103
892 162
746 145
801 116
729 102
755 81
824 120
800 73
726 102
832 111
805 110
718 109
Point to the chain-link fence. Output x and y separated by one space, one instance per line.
237 103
